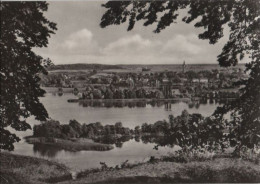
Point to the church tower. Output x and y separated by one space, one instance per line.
183 67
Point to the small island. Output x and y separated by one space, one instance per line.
72 144
67 137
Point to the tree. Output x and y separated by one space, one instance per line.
118 127
176 79
191 75
140 93
107 130
246 110
23 26
118 94
48 129
144 127
108 94
206 74
243 19
137 130
131 94
76 126
97 94
185 117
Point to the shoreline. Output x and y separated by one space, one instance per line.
186 100
130 100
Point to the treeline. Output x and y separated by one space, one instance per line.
83 67
74 129
110 92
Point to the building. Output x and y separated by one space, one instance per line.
204 82
175 92
195 81
178 85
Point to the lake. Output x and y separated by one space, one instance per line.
130 116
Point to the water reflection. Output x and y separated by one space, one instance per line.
52 151
153 103
46 150
118 104
117 141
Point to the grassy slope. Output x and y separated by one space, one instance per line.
23 169
217 170
29 170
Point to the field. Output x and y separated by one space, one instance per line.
175 68
69 71
81 66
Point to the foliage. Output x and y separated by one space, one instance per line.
245 123
23 27
192 132
243 19
116 93
191 75
53 129
48 129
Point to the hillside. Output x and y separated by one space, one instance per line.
178 67
81 66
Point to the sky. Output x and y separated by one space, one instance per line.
80 39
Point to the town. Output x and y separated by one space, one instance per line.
143 83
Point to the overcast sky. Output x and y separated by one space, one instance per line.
80 39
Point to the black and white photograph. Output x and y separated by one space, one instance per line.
130 91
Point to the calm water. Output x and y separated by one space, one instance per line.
130 116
